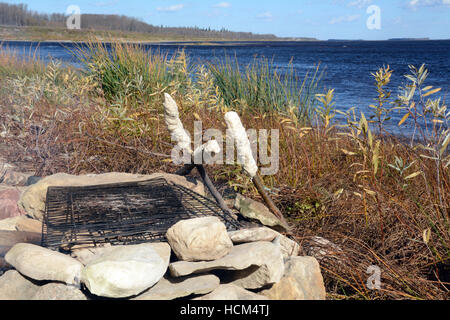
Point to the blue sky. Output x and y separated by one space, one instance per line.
322 19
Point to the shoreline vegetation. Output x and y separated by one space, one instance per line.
382 201
61 34
64 35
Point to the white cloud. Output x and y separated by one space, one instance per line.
265 16
222 5
359 3
342 19
414 4
173 8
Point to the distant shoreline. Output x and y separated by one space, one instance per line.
47 35
207 42
63 35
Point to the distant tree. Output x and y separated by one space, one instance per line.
20 15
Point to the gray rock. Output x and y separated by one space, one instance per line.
288 247
4 187
252 209
58 291
231 292
125 271
28 225
261 264
199 239
302 281
252 235
9 203
21 223
33 198
286 289
14 286
306 270
43 264
169 288
9 224
14 178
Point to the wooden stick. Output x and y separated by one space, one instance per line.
256 181
201 169
187 169
269 202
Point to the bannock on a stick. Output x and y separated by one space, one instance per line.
245 156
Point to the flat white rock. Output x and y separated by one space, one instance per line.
261 264
43 264
288 247
170 288
252 235
58 291
124 271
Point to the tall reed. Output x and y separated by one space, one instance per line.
128 73
14 63
263 87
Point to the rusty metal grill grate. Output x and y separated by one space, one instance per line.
125 213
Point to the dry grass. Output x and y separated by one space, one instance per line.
340 187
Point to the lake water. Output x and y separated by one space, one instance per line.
348 64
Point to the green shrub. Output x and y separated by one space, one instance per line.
262 87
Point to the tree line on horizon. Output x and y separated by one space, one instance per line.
19 15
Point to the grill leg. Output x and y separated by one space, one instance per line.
212 188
